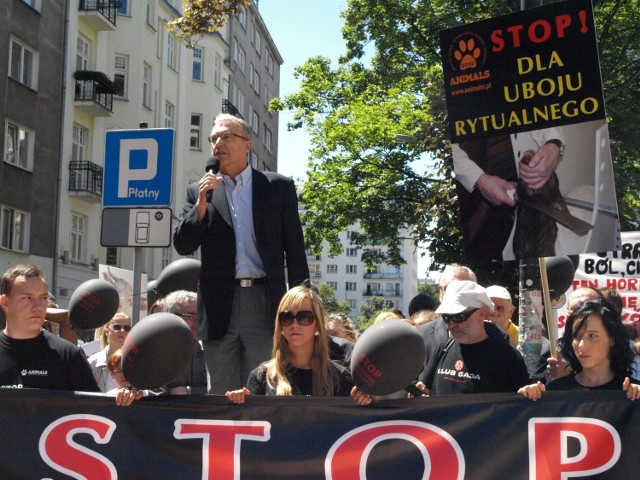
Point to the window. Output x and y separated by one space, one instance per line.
166 257
18 146
352 303
171 51
268 61
79 143
169 112
265 95
254 159
35 4
83 50
255 122
242 59
266 138
77 237
148 15
123 7
15 229
195 140
217 70
241 15
238 100
146 85
121 68
333 285
352 252
350 286
235 48
256 82
23 64
257 40
332 268
352 269
197 64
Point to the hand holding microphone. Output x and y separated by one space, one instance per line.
213 166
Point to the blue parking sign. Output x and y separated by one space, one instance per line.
138 167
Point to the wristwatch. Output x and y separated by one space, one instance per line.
558 143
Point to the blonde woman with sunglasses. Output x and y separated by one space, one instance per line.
300 363
111 336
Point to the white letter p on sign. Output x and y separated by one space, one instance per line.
127 173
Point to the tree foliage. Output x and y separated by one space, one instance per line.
389 82
200 17
330 303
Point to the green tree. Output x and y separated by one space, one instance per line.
368 312
358 174
331 305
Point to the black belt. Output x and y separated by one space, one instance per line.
250 282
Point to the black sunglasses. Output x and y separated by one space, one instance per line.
117 327
303 317
458 317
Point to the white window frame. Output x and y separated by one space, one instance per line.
78 237
256 82
351 269
241 15
255 122
267 137
198 62
83 53
242 59
268 61
149 13
195 135
147 83
254 159
14 229
121 71
257 40
171 51
18 134
169 115
79 141
20 69
332 268
333 285
350 286
239 100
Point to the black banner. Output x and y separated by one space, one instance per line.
529 70
56 435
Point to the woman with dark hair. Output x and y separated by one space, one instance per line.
596 348
300 363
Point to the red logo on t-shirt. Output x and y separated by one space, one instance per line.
459 365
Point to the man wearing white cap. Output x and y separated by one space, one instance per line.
471 360
502 312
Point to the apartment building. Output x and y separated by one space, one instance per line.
352 281
32 50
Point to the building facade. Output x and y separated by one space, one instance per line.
352 281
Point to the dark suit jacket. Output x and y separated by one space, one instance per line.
278 236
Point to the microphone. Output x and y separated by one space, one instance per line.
213 166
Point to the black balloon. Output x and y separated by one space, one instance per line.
93 304
181 274
156 350
152 293
560 271
387 357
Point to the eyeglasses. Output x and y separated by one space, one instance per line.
117 327
226 137
303 317
458 317
189 316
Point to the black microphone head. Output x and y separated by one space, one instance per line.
213 165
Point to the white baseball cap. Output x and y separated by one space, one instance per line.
496 291
462 294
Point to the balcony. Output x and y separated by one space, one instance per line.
383 275
85 180
94 93
100 15
230 108
382 293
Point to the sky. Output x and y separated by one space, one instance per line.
302 29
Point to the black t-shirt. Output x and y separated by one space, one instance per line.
46 361
569 382
490 366
301 381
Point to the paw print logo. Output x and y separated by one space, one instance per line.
24 372
467 54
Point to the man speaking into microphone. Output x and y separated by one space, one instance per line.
249 233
